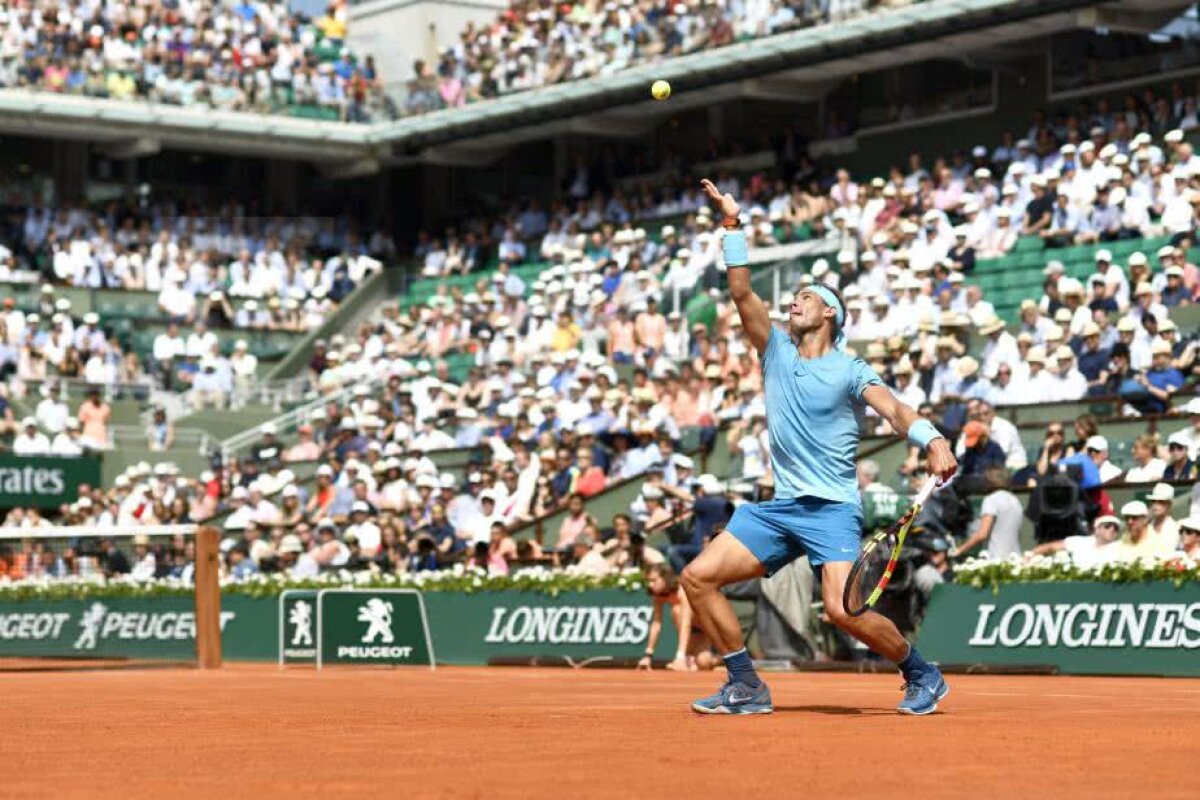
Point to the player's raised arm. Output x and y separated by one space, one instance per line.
919 430
756 321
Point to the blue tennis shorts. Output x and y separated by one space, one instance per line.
778 532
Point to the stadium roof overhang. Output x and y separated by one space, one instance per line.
794 66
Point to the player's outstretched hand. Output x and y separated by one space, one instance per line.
644 663
725 202
941 459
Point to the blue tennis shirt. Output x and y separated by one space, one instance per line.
814 410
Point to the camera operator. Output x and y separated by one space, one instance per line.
936 569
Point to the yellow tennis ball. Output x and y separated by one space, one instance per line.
661 90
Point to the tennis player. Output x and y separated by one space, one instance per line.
815 395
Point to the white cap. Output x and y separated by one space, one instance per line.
1098 443
1163 492
1134 508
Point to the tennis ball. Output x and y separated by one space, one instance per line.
661 90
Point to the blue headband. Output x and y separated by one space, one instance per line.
830 299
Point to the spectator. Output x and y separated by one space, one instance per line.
161 433
573 523
293 559
1147 468
980 453
94 414
1138 543
1179 466
1160 381
710 510
1088 552
52 413
30 441
144 564
999 519
1189 537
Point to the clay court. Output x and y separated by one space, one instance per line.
254 731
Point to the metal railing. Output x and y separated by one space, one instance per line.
289 421
78 387
195 439
274 393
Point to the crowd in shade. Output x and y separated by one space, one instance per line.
585 376
534 43
217 276
231 56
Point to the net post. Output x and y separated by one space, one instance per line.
208 598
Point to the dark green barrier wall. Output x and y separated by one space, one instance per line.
466 628
1080 628
151 628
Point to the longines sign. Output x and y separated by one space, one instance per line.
1082 628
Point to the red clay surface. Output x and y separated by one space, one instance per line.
254 731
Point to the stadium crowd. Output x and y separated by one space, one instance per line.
218 277
532 44
584 376
230 56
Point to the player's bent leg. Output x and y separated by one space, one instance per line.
726 560
924 685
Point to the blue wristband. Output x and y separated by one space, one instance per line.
922 432
733 245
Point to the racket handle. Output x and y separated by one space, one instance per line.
926 490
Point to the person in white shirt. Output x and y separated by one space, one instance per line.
432 437
1088 552
144 563
30 441
1037 386
1178 215
242 513
243 363
176 301
168 346
1161 524
1001 347
978 309
1147 467
52 413
293 559
1067 382
945 371
1116 285
1144 303
67 443
906 389
1005 390
368 533
262 511
201 341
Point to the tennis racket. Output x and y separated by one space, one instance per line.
873 570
